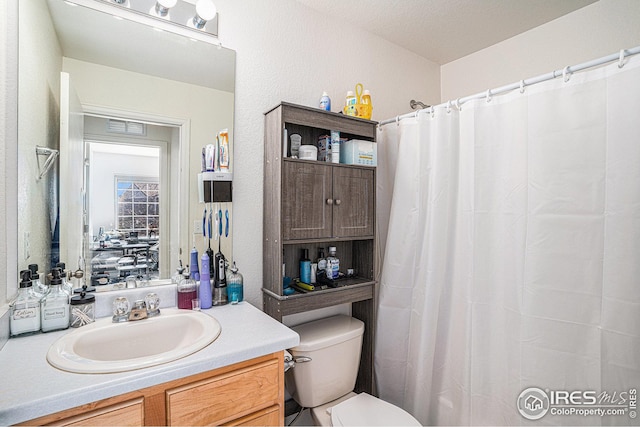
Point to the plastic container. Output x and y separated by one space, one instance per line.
333 264
366 107
305 267
359 152
235 286
350 104
206 294
325 102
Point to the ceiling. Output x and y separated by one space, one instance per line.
445 30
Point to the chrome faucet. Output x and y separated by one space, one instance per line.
149 307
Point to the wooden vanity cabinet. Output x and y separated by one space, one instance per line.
311 205
246 393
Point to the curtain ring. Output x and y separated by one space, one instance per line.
457 104
448 106
397 120
488 96
621 60
566 74
433 112
522 86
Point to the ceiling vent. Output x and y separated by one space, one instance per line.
129 128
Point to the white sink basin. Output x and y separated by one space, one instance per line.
104 347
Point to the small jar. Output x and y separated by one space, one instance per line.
234 285
83 310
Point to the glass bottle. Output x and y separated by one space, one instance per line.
187 291
333 264
235 290
39 287
25 308
55 306
66 285
178 275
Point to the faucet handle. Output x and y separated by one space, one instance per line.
153 304
120 309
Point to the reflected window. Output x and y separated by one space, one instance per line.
138 205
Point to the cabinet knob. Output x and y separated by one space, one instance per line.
329 201
338 201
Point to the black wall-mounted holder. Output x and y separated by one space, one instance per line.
216 187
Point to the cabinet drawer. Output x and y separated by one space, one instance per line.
265 417
130 413
225 397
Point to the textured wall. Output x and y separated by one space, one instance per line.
594 31
289 52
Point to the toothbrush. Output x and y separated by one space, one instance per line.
226 228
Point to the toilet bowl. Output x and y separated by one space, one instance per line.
325 381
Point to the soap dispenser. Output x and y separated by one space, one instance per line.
55 305
25 308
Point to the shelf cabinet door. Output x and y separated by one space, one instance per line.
354 202
306 188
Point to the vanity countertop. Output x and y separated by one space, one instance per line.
31 388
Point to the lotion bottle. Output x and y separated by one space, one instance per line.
25 309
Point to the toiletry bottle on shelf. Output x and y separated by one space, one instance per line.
325 102
350 104
187 291
24 310
322 261
333 264
55 306
206 294
235 291
305 267
367 106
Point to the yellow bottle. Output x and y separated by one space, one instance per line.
366 103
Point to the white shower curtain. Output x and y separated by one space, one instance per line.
512 254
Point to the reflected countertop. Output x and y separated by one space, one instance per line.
32 388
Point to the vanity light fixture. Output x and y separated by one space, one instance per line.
175 16
205 11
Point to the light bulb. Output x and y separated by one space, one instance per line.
205 11
163 6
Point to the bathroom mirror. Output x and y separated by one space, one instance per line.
175 93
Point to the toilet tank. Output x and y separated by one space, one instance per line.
334 346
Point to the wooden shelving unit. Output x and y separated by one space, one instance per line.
311 204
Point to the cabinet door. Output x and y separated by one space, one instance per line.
306 198
353 202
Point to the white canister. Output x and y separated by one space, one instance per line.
308 152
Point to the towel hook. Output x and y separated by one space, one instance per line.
621 60
566 74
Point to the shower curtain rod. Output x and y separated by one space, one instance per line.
566 72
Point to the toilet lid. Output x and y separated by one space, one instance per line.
366 410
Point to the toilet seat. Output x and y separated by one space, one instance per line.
363 410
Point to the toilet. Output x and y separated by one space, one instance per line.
325 383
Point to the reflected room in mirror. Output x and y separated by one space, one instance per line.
129 109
